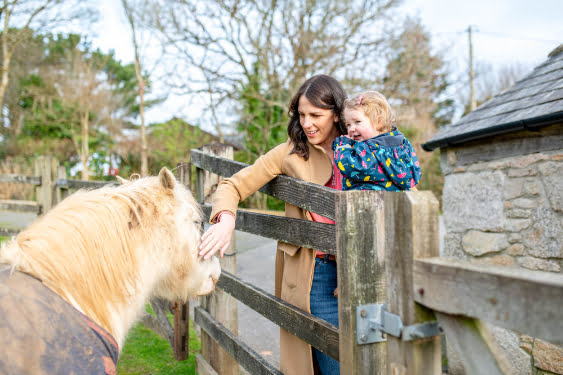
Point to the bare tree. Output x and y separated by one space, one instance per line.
22 17
80 84
141 85
490 81
218 47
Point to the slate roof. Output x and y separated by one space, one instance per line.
534 101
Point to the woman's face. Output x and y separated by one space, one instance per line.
319 124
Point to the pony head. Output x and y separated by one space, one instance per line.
107 251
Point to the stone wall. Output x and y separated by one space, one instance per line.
502 204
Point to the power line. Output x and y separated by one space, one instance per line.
497 35
518 37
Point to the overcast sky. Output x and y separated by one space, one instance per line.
506 32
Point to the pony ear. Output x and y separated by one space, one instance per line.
121 180
166 178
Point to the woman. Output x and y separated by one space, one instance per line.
304 277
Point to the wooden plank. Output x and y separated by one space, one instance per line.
159 322
317 332
60 191
476 346
305 233
181 318
19 179
519 143
180 310
19 206
181 330
9 232
411 232
220 305
360 247
248 358
309 196
45 167
513 298
79 184
203 367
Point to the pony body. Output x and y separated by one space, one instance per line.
107 251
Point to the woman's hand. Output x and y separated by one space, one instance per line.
217 237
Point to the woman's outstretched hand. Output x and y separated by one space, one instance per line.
217 237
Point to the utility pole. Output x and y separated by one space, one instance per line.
472 102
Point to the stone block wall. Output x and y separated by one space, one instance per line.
502 204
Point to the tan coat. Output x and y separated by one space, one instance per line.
294 265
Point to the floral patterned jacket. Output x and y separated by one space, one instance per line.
386 162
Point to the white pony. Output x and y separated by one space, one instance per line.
84 271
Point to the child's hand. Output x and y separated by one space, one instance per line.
336 292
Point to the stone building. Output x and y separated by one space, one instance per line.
503 191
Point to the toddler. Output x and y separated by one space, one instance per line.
374 155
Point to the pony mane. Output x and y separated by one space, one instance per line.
85 247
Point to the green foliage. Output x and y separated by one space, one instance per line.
54 95
432 178
169 143
415 81
264 126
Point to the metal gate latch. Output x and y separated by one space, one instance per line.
374 322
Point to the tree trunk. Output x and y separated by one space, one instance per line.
6 56
84 151
144 148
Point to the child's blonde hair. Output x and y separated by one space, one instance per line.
375 106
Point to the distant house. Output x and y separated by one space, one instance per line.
503 189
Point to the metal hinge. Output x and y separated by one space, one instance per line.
374 322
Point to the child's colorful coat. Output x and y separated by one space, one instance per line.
386 162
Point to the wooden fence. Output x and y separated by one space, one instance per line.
393 287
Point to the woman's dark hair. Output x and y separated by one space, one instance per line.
322 91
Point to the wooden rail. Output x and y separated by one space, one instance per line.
19 179
79 184
19 206
242 353
311 197
304 233
387 246
320 334
513 298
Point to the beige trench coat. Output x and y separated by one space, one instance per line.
294 265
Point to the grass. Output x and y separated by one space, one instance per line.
145 352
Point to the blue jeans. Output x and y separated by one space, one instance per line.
325 306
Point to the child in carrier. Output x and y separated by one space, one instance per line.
374 155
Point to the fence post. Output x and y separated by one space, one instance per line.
221 305
45 167
61 192
411 230
181 310
361 275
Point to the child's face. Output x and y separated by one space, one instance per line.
359 125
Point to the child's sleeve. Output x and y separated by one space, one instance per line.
354 159
401 165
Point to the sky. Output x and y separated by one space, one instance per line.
505 32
